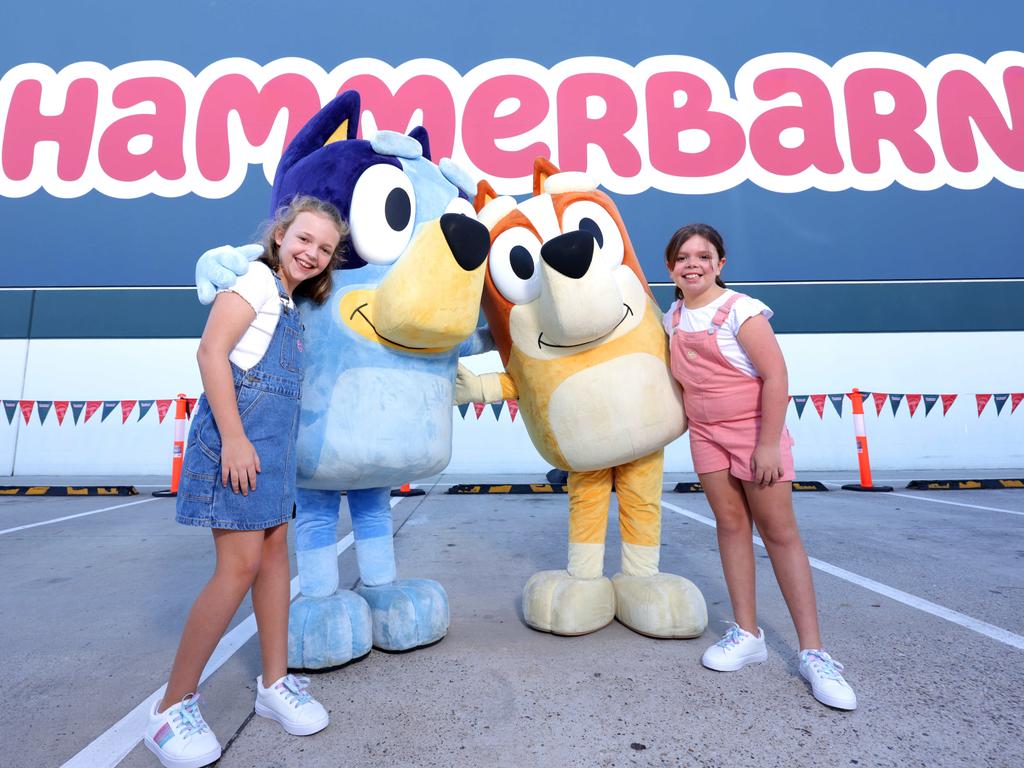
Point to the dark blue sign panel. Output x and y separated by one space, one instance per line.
881 142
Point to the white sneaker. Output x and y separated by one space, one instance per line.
825 676
179 737
289 702
735 650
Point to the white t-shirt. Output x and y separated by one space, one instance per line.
692 320
259 289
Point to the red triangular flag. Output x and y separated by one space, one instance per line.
947 401
161 408
912 402
91 406
127 406
26 408
61 407
513 408
1015 398
479 408
982 402
190 403
819 404
880 398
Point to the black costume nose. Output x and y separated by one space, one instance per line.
468 239
570 253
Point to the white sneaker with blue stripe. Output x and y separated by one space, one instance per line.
827 682
289 702
179 737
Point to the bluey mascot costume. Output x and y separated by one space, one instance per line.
586 356
380 368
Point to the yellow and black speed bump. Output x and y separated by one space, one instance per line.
518 488
68 490
813 485
963 485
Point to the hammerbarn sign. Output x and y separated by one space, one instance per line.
790 122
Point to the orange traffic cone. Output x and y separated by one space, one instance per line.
406 490
181 415
862 448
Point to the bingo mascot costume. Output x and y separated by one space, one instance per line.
585 353
381 355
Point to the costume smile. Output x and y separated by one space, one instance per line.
359 311
541 343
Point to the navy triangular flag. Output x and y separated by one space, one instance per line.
11 407
929 403
463 407
894 401
76 409
108 408
837 402
144 406
496 407
43 409
799 401
1000 401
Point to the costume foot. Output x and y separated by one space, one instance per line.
554 601
326 632
662 605
407 613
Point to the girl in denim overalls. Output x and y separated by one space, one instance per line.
245 425
735 391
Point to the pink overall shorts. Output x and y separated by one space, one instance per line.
723 404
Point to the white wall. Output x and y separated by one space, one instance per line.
964 363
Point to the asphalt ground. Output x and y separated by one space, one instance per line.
920 596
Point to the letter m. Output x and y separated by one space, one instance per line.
257 108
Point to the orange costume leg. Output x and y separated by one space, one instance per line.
590 494
638 486
646 600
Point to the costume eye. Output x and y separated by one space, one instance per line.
383 214
513 262
460 205
588 216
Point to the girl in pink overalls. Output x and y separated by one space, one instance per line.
735 389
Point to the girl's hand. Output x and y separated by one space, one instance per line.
766 464
240 464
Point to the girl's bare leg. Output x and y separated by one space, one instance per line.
238 562
270 602
735 544
772 508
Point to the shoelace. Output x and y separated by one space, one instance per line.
295 690
824 665
190 719
733 637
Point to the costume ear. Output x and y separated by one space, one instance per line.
484 194
420 134
337 121
542 168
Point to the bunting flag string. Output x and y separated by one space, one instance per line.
83 410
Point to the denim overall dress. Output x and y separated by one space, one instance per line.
268 403
723 404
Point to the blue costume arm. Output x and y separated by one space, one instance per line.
481 341
220 267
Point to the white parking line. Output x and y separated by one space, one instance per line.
72 517
957 504
113 746
968 622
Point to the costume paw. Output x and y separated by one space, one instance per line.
407 613
662 605
329 631
220 267
554 601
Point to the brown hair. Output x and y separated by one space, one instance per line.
683 234
317 288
